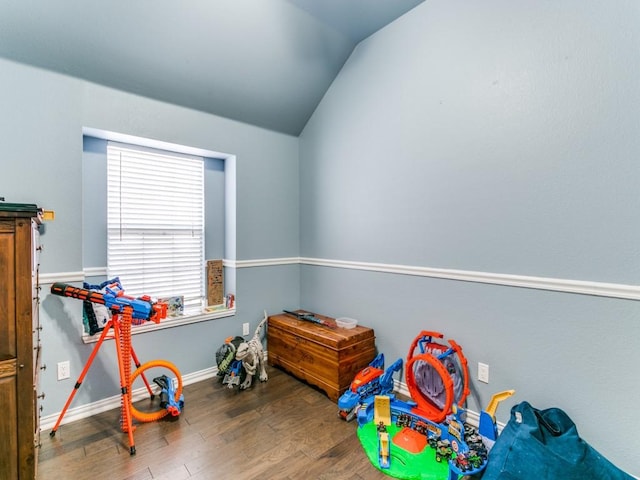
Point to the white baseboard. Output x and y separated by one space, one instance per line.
85 411
473 417
94 408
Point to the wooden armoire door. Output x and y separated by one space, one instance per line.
18 333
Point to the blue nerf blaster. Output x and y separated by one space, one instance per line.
168 396
142 308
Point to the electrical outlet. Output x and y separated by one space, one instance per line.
483 372
64 370
245 329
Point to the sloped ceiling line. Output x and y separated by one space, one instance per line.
265 63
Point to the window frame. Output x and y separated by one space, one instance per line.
94 220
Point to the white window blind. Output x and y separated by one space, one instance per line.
155 220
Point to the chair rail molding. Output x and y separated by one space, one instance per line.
601 289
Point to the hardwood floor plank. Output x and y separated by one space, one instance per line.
282 429
177 473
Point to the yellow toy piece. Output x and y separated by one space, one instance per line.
384 450
382 410
495 400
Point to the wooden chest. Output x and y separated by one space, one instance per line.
321 356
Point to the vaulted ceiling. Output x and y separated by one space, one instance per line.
263 62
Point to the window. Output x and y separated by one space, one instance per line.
155 223
219 174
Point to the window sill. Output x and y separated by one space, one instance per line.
167 323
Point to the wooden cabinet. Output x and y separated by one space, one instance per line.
324 357
19 341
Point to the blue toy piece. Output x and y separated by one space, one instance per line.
168 395
234 374
142 308
230 369
487 427
369 382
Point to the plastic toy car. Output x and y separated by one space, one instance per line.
462 462
476 460
443 450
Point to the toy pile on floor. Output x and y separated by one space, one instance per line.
424 438
240 360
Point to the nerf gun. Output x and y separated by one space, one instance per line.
309 317
168 395
114 299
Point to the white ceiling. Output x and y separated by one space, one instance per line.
262 62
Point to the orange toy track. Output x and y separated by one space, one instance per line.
428 353
158 414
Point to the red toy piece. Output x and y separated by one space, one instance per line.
435 378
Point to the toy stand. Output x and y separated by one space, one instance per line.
121 325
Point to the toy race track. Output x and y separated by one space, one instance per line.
403 464
424 438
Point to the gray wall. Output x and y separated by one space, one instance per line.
497 137
42 117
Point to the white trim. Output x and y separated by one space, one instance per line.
601 289
94 408
64 277
167 323
70 277
266 262
614 290
151 143
95 272
472 418
102 271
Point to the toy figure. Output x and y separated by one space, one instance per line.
251 354
230 369
443 450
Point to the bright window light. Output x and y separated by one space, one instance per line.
155 221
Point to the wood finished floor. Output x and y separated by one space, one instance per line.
281 429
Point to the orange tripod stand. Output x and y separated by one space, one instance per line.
121 325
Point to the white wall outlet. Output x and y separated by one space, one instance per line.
245 329
483 372
64 370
